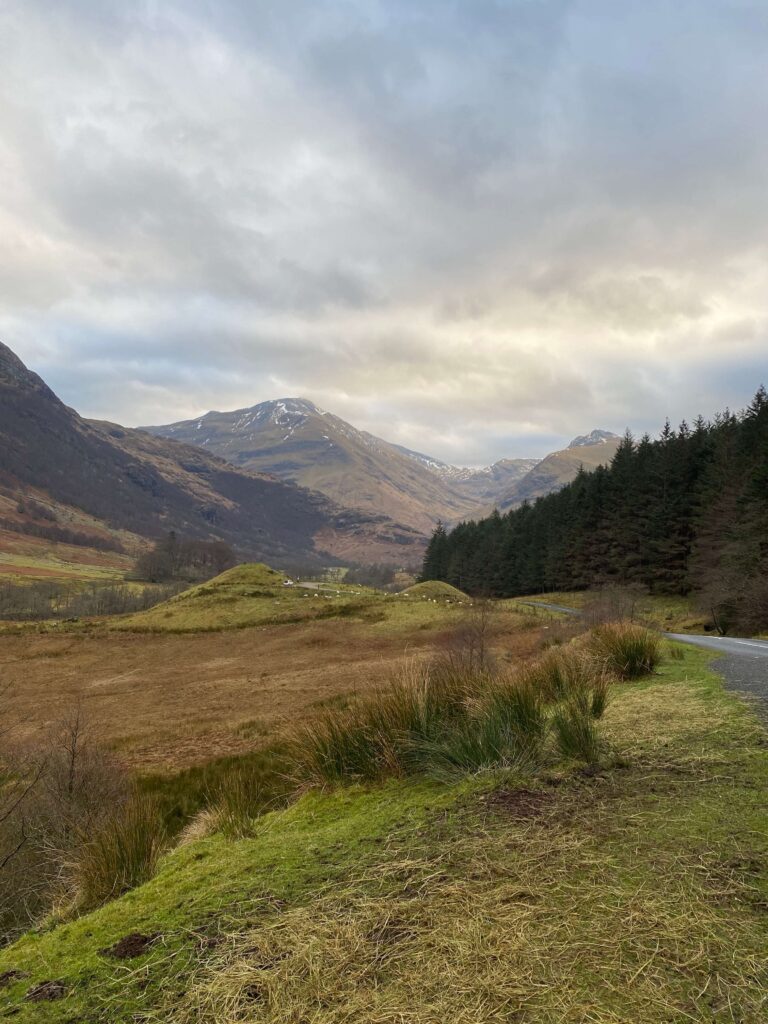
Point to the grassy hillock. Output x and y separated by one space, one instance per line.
632 890
434 590
248 595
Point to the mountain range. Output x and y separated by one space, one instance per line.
102 481
295 440
282 481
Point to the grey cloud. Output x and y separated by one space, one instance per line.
471 224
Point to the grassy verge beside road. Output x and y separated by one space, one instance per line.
630 891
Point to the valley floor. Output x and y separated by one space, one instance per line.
167 701
634 892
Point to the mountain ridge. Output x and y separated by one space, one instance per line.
559 468
295 439
130 480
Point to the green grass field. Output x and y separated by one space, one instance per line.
18 567
631 892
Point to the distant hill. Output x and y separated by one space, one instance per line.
114 479
559 468
295 440
480 486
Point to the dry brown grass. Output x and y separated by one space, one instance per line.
166 701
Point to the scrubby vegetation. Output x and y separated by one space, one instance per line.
52 599
448 716
459 713
60 534
56 796
180 558
628 650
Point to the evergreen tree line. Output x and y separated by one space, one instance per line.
687 513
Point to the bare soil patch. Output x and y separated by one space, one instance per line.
46 992
10 978
130 946
520 803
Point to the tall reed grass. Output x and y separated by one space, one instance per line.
445 720
574 728
121 855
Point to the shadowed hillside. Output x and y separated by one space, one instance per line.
295 440
129 480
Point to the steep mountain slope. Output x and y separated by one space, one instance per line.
128 480
559 468
295 440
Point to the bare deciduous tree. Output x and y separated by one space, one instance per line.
55 795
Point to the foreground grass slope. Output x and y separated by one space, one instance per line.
632 892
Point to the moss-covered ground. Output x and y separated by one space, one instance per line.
632 892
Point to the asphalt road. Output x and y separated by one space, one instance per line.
743 665
550 607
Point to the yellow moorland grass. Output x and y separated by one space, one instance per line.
171 698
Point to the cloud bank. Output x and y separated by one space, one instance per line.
475 227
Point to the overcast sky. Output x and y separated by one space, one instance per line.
474 227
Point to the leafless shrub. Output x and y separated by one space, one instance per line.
55 794
611 604
50 599
469 647
80 784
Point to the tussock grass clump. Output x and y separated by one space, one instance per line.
626 649
560 673
575 732
242 796
378 736
449 718
519 709
122 854
599 700
336 748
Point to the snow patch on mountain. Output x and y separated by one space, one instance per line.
594 437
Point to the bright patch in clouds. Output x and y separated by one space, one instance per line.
470 227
